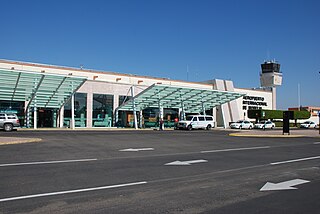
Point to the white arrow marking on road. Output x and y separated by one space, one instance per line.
287 185
136 150
185 163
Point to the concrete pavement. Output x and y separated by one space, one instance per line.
89 172
277 133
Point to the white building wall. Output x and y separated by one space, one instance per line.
230 111
255 99
98 76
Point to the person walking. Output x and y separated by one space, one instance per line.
161 124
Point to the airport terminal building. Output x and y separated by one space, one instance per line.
56 96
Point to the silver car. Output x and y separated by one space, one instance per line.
8 121
264 125
308 124
241 124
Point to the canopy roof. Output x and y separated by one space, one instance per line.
40 89
190 99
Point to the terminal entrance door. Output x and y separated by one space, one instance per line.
47 117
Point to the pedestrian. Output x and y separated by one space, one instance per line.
176 121
161 124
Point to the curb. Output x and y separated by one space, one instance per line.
90 129
266 136
21 141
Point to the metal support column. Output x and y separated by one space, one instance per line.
161 122
116 118
35 118
28 118
182 113
202 106
61 117
72 122
141 119
134 108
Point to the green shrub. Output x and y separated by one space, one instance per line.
265 114
262 114
301 115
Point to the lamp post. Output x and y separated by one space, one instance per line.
319 121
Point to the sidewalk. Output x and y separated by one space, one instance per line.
17 140
277 133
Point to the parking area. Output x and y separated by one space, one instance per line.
158 172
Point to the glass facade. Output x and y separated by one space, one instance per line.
123 99
169 116
80 110
47 117
125 118
151 117
102 111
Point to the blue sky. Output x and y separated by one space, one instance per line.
216 39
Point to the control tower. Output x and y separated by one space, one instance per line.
271 77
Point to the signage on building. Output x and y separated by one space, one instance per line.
254 100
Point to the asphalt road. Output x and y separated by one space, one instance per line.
174 172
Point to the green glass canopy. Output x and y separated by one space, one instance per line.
40 89
189 99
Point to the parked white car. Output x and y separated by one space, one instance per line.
197 122
264 125
308 124
241 124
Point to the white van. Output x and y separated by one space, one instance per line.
196 122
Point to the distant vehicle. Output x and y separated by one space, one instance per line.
196 122
241 124
308 124
8 121
264 125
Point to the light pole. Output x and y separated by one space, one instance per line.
299 97
319 121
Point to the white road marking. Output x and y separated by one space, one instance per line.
46 162
296 160
185 163
136 150
316 143
70 191
286 185
236 149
